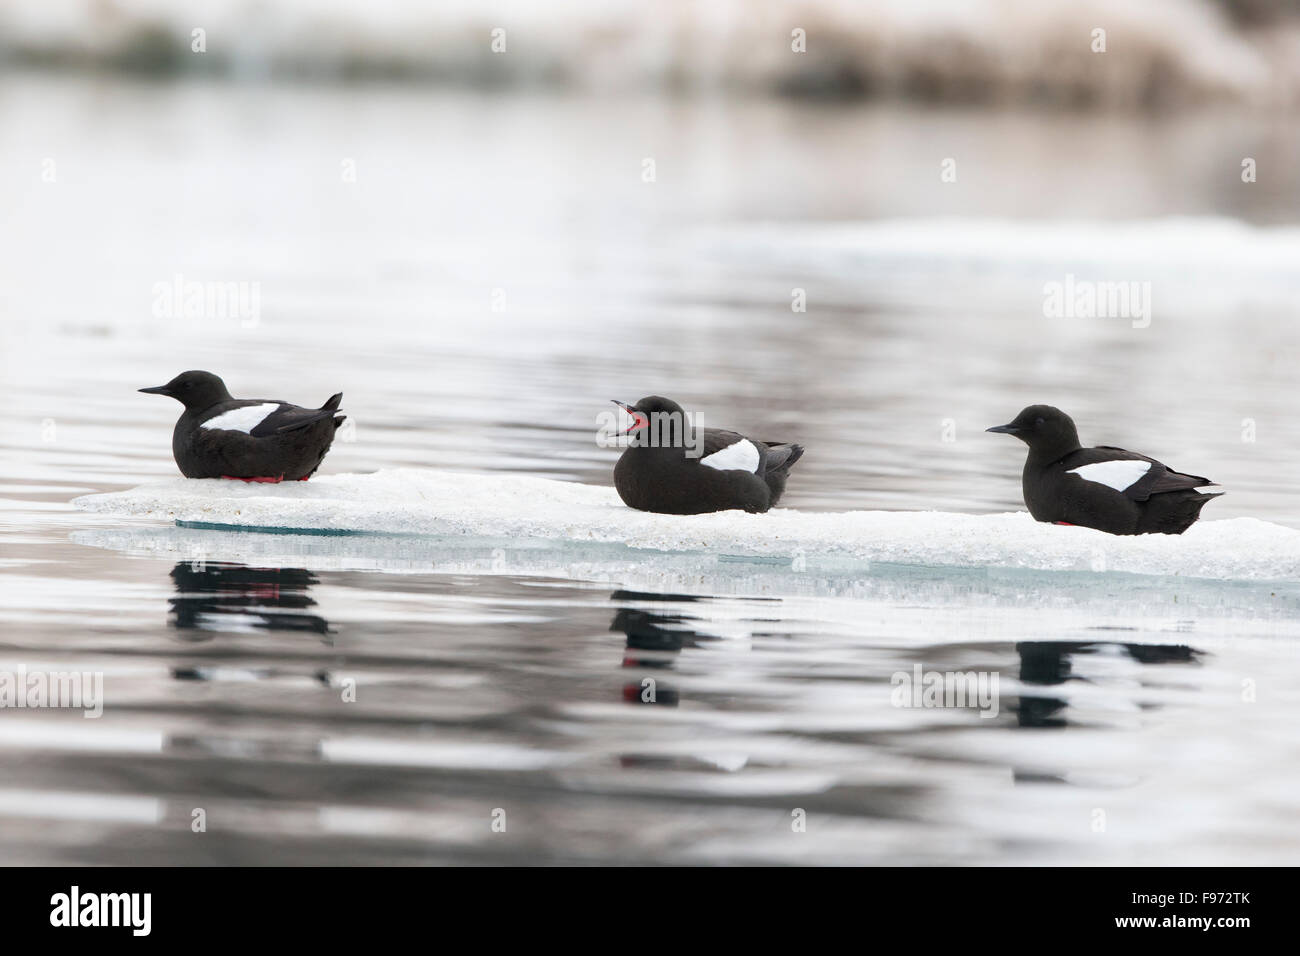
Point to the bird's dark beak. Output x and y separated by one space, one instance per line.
156 390
1004 429
639 419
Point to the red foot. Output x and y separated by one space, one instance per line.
273 481
304 477
1067 524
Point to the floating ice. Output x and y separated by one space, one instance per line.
1198 267
519 510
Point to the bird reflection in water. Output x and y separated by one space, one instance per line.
654 639
215 597
1056 663
1052 663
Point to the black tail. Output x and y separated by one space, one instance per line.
776 466
332 404
781 455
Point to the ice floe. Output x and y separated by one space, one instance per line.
517 512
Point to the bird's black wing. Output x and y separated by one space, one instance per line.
1159 478
716 439
288 418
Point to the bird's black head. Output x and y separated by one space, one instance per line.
661 422
195 390
1044 429
642 411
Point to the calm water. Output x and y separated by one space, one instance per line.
498 271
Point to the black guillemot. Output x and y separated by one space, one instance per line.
1106 488
673 467
248 439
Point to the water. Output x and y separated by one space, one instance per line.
1140 721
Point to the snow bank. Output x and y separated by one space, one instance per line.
518 509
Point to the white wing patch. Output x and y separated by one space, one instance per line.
741 456
1113 474
242 419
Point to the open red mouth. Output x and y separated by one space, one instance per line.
639 419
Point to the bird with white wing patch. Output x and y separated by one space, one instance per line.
252 439
671 466
1106 488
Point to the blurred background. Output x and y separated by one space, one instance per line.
830 221
989 52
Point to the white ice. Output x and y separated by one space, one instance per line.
522 509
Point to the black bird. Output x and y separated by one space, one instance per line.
1106 488
250 439
673 468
